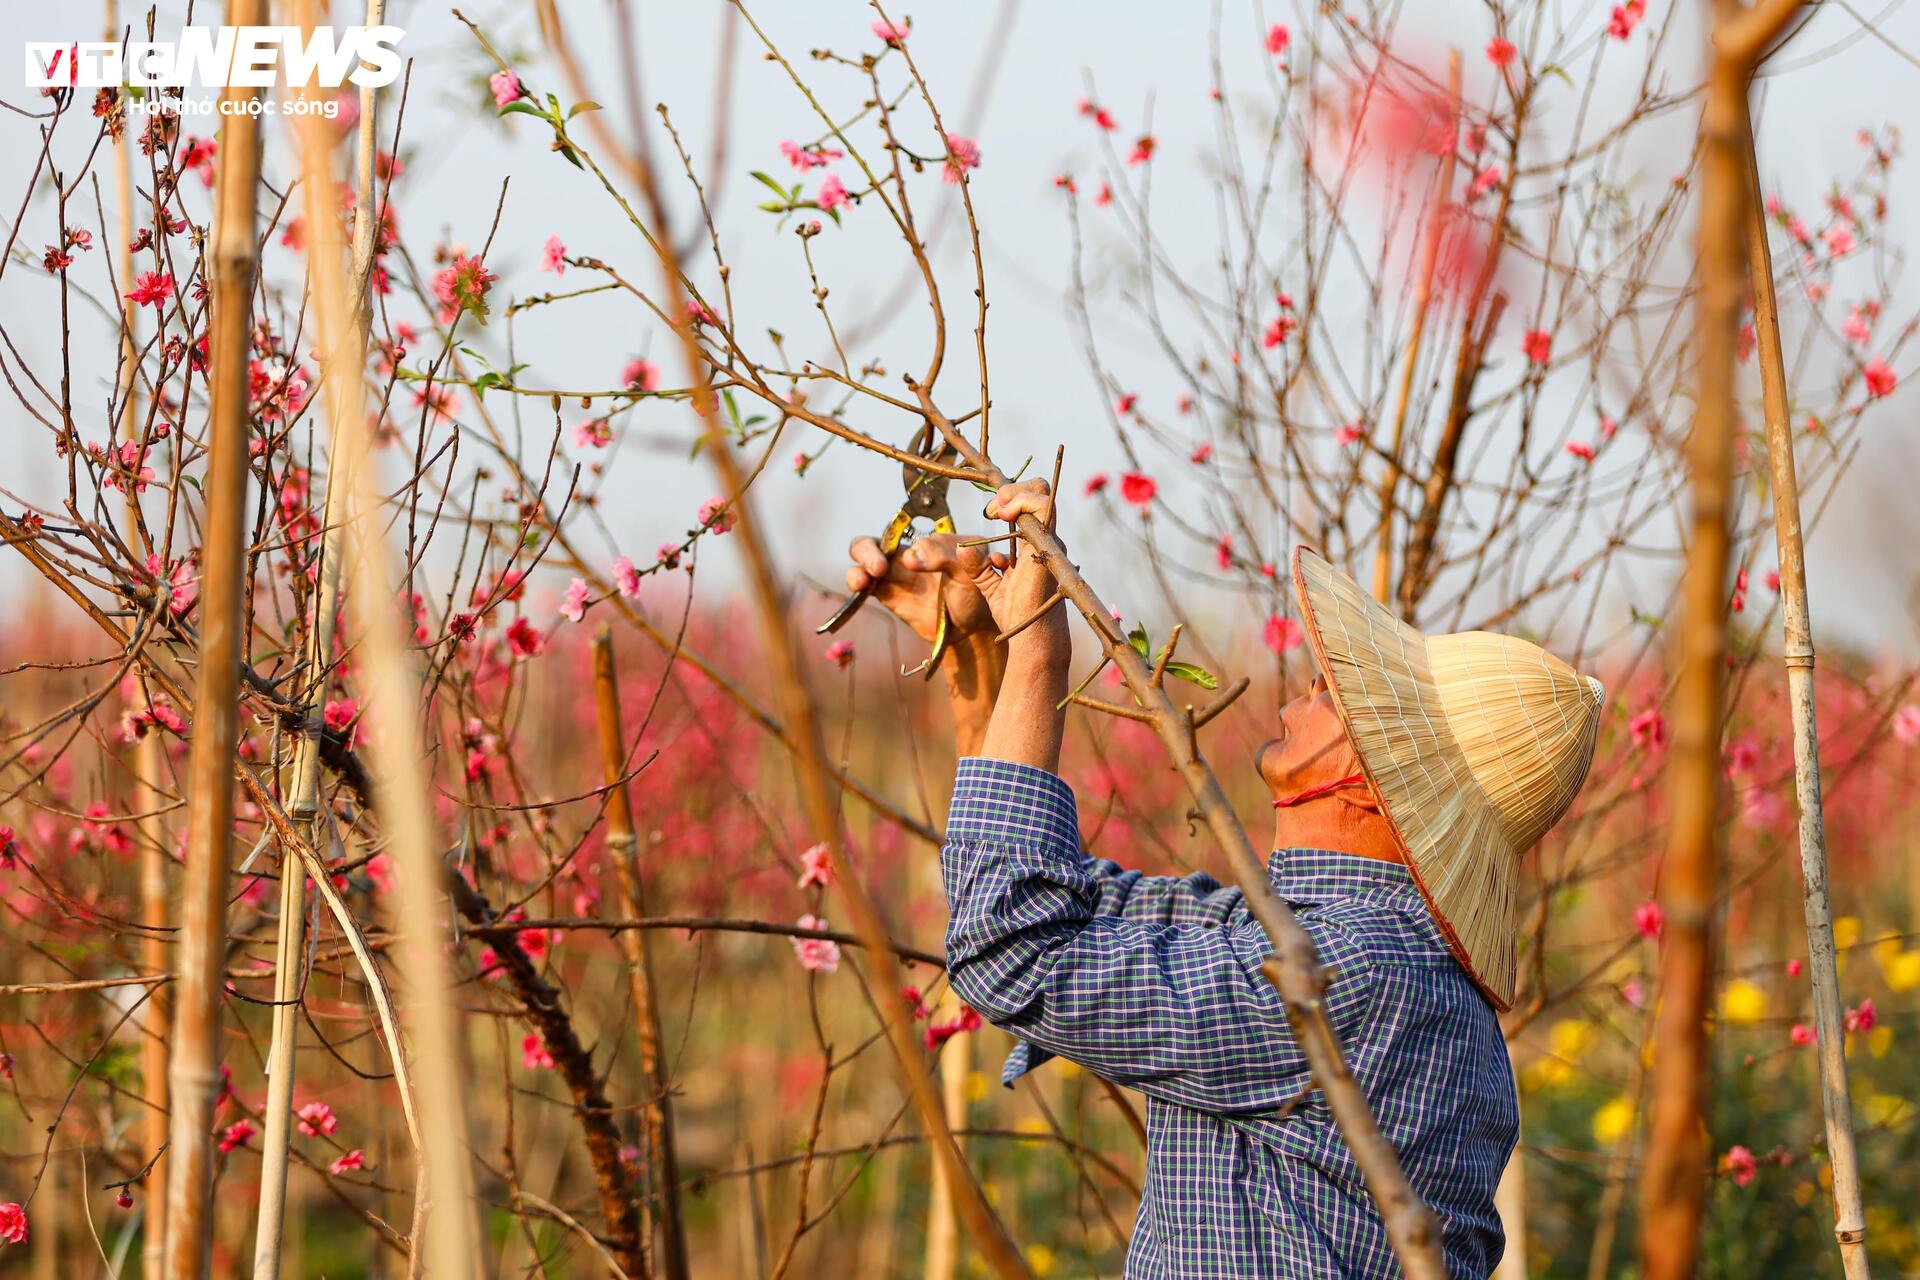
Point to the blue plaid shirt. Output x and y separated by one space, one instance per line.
1154 982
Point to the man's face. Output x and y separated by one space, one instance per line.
1312 749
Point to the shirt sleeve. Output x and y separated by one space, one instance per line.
1178 1011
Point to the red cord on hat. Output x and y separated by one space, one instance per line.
1314 793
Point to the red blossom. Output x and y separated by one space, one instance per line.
1738 1161
533 1053
1500 51
13 1223
1138 489
1282 633
237 1134
962 154
1880 378
1649 919
462 286
317 1118
150 288
1538 344
1095 483
1143 148
524 639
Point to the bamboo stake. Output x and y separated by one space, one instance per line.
1849 1217
303 802
1422 298
194 1079
663 1171
1674 1180
149 764
444 1209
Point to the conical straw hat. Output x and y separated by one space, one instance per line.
1475 743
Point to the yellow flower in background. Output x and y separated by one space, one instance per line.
1040 1259
1884 1111
1613 1121
1879 1040
1885 949
1742 1001
976 1086
1902 970
1846 931
1570 1038
1031 1124
1545 1073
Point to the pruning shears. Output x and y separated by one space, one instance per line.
926 500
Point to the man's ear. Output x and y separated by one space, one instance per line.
1361 797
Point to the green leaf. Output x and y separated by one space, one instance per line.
1138 639
572 159
578 107
835 215
774 206
524 108
777 188
1198 675
1552 70
486 380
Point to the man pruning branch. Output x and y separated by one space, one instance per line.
1406 785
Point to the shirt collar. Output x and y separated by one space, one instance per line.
1322 875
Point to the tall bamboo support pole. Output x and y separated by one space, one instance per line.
303 800
663 1170
444 1204
1849 1217
1674 1180
1422 302
194 1078
149 763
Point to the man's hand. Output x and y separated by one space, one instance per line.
984 593
914 583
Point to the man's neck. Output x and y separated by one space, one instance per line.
1338 827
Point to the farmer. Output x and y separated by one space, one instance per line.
1406 783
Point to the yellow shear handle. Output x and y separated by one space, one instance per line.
889 543
926 669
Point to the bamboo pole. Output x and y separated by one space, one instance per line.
444 1205
303 802
663 1171
1422 300
1674 1179
1849 1217
194 1079
149 764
